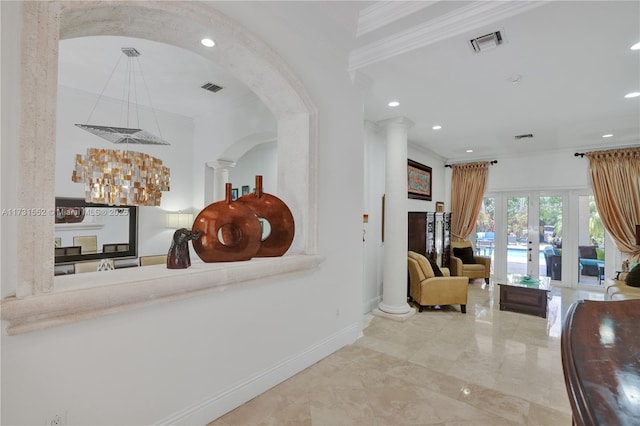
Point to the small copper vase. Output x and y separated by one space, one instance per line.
276 218
229 231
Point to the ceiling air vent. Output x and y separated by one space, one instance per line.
525 136
130 52
211 87
486 42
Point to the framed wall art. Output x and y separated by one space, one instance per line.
418 181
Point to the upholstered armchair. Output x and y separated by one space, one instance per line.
466 264
427 289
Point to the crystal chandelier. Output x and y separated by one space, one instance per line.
122 177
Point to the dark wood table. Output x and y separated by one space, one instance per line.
601 361
525 298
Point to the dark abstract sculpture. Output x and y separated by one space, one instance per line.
178 256
277 221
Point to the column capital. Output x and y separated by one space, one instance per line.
396 121
370 125
221 164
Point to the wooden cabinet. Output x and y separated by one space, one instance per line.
430 235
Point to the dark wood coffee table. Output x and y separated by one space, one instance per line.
525 298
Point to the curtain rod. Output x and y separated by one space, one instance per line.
492 162
579 154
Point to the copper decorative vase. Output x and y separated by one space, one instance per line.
229 231
278 227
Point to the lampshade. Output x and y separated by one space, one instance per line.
179 220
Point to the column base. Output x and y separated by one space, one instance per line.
396 317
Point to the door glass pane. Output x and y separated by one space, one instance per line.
591 249
485 229
517 234
550 237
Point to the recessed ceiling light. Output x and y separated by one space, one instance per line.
436 127
469 150
393 104
608 135
632 95
636 46
207 42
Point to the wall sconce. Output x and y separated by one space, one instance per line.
179 220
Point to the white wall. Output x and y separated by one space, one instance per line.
558 170
374 178
262 160
222 128
189 361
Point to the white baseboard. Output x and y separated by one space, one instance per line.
218 404
371 304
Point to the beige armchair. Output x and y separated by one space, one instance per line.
428 290
480 269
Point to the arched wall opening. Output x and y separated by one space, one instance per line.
181 24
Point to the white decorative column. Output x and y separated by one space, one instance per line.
220 178
394 286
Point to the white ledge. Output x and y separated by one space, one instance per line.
89 295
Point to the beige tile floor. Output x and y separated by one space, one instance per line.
441 367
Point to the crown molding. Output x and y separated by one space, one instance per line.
400 121
383 13
452 24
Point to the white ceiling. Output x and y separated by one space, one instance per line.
573 59
173 76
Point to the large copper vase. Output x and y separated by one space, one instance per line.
230 231
278 218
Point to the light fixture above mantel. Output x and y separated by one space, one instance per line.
116 177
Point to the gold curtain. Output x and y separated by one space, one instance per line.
468 181
615 178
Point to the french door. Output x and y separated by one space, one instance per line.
522 232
